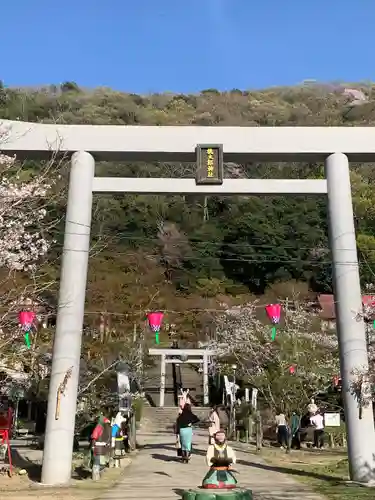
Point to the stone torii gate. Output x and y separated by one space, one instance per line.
176 356
335 146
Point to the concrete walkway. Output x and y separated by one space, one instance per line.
156 473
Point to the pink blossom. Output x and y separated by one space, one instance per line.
21 212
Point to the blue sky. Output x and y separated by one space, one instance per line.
186 46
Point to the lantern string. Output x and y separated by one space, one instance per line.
224 310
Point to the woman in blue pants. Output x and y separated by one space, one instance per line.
184 429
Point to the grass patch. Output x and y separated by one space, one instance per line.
324 471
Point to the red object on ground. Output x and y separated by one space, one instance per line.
292 369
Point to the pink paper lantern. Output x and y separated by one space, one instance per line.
274 313
26 319
155 320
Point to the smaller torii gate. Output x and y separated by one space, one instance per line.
183 356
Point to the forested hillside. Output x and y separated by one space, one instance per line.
187 254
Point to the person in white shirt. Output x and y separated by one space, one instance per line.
317 421
282 429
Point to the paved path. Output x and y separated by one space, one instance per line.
156 473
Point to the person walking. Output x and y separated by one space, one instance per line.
282 430
214 424
317 421
184 429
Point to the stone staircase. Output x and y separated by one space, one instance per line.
161 420
152 385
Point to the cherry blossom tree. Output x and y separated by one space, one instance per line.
22 209
288 371
25 239
364 380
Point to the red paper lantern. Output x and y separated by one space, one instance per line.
26 319
155 320
274 312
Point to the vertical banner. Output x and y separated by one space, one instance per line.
123 388
247 395
254 398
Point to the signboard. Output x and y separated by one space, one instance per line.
332 420
210 165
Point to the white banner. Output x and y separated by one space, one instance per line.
254 398
227 385
123 382
247 398
230 388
